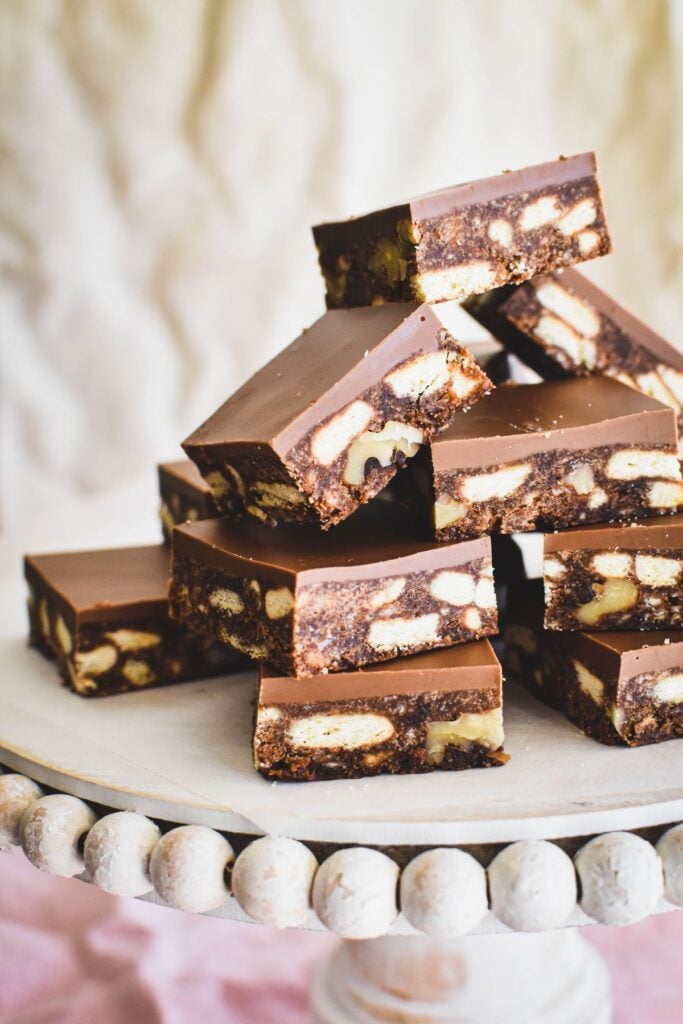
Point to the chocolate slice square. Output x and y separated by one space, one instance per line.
623 688
323 427
468 239
615 576
550 455
104 616
562 325
312 602
440 710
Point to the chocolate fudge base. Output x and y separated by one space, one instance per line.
440 710
468 239
592 678
106 659
253 481
613 590
40 624
412 734
331 626
552 490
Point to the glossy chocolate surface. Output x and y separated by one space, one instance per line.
629 654
469 666
519 420
105 585
637 535
344 353
484 190
377 540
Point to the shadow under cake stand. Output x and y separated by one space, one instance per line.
181 756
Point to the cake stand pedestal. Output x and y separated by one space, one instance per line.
551 978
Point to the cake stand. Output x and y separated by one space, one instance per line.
484 934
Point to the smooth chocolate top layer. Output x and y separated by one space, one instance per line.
631 326
484 190
471 666
184 476
519 420
339 357
375 541
628 654
638 535
105 585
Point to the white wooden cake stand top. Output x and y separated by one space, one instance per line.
183 754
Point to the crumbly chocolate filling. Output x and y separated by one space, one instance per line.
389 257
406 750
337 625
645 593
546 491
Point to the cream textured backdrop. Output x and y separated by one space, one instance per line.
163 159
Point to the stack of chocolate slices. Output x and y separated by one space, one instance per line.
601 637
334 521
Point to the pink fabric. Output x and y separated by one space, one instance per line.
70 954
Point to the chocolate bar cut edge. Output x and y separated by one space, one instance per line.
617 687
441 710
325 425
104 616
467 239
312 602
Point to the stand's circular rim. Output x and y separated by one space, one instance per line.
651 865
492 832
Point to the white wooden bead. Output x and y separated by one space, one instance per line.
443 892
188 866
354 893
272 881
17 793
621 878
117 852
670 850
51 831
532 885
